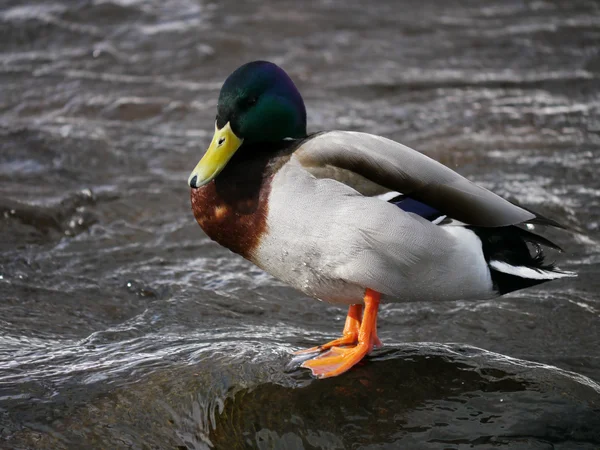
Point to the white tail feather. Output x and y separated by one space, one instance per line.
529 272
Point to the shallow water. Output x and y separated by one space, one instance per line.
123 326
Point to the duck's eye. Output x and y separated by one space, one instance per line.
252 101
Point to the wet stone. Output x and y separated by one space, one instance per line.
428 396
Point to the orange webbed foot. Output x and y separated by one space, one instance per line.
338 360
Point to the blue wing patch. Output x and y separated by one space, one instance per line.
413 206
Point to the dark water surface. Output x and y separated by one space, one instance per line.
123 326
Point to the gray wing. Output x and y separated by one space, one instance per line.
397 167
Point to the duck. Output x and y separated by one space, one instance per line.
352 218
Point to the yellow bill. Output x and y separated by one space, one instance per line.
223 146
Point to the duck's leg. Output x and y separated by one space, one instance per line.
349 335
338 360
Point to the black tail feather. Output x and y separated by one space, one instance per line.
509 246
528 236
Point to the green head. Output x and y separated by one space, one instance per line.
258 103
262 104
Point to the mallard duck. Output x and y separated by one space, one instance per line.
352 218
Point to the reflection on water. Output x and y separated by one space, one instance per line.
122 325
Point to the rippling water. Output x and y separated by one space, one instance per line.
123 326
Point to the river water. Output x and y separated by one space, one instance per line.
123 326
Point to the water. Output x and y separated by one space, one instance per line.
123 326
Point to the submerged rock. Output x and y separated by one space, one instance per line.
426 396
420 396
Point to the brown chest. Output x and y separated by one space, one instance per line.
233 212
